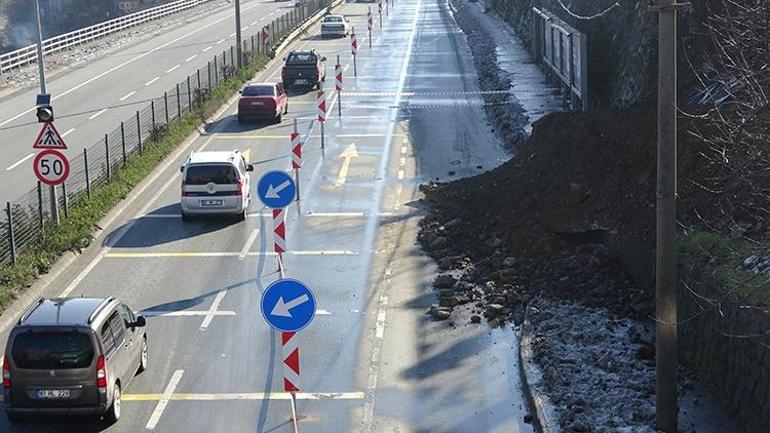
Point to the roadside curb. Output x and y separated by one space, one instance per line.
543 414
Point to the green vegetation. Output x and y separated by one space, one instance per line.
75 232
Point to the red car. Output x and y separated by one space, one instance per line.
263 101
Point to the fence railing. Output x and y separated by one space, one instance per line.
23 222
27 55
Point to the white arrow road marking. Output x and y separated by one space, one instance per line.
273 192
349 153
282 308
20 162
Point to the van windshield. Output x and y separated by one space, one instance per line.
50 351
216 173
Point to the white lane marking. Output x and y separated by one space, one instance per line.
208 48
185 313
322 313
249 396
400 174
94 116
69 131
220 41
127 62
149 83
172 69
227 254
164 399
212 311
335 214
244 28
128 95
20 162
380 327
190 58
254 23
248 244
232 35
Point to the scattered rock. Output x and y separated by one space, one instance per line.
444 281
475 319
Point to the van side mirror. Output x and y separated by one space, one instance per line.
250 167
240 92
141 322
181 169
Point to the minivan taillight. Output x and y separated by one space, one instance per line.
101 372
184 193
6 373
239 184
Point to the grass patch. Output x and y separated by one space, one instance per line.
76 231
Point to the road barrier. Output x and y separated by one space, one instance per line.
26 218
28 54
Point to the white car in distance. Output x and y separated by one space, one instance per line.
335 26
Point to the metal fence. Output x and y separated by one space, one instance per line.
27 55
24 221
563 51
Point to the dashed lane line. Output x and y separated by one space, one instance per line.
20 162
69 131
186 313
128 95
149 83
94 116
189 59
207 48
173 69
246 396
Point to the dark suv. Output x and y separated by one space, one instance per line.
72 356
303 68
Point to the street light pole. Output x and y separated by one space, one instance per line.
41 69
238 45
666 410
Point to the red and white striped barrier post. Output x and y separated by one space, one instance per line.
296 155
279 235
265 37
291 372
379 9
354 49
338 85
321 102
369 25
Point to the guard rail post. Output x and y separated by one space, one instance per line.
88 174
123 142
208 74
252 45
165 103
216 71
40 217
65 201
107 156
139 133
152 111
232 56
200 98
11 240
189 94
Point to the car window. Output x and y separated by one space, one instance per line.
108 341
333 19
127 315
202 174
118 330
259 91
301 59
49 350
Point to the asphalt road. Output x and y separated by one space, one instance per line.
372 360
94 98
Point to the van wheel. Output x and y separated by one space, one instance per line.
143 358
242 216
113 413
185 217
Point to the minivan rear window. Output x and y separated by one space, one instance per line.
258 91
301 59
52 350
217 173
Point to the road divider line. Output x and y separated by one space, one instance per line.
172 255
189 59
214 307
283 137
208 48
220 41
249 243
232 35
128 95
173 69
69 131
20 162
94 116
149 83
246 396
164 399
186 313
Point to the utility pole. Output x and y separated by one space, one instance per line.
666 410
238 45
41 69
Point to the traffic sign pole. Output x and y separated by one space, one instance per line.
354 49
369 25
296 156
338 85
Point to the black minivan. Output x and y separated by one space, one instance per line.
72 356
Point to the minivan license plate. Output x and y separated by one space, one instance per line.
52 394
300 81
211 202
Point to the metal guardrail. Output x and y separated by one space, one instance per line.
27 55
24 222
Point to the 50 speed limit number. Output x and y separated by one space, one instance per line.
51 167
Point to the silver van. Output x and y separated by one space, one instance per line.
72 356
215 183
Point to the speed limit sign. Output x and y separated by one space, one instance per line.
51 167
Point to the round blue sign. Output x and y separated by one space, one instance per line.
276 189
288 305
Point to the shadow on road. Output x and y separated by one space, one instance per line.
58 424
